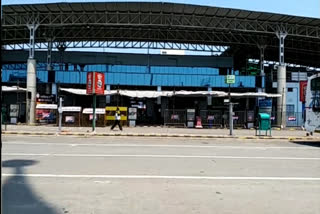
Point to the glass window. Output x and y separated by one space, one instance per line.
315 84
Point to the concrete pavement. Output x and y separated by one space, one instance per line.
157 132
60 174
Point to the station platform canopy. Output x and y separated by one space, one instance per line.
182 93
160 25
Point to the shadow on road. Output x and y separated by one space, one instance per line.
306 143
18 195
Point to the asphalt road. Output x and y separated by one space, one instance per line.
159 175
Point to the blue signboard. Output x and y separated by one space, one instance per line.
265 103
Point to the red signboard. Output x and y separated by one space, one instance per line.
95 83
303 90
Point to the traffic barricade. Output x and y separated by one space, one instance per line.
87 116
211 118
175 117
46 113
71 116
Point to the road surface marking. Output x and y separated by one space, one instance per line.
159 156
165 146
162 177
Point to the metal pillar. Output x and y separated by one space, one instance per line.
32 28
61 48
31 77
262 74
51 78
49 55
281 86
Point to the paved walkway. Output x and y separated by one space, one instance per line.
153 132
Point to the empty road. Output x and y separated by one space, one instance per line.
55 174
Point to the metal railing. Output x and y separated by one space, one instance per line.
211 118
175 117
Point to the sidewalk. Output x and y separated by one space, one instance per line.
155 132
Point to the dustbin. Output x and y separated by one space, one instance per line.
264 123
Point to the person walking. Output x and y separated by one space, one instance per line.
117 119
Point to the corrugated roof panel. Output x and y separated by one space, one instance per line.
232 13
253 15
275 18
222 12
243 14
212 11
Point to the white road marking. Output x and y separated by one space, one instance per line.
160 156
165 146
163 177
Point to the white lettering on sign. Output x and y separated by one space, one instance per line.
47 106
90 111
71 108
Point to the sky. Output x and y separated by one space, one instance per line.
308 8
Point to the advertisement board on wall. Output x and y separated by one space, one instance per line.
303 90
132 113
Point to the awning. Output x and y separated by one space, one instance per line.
13 89
155 94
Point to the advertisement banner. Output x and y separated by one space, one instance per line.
95 83
99 83
89 82
303 90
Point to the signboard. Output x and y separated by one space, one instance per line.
71 108
210 117
230 79
132 113
46 98
14 110
95 83
47 106
292 118
235 117
265 103
90 111
303 91
69 119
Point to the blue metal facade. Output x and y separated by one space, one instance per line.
134 75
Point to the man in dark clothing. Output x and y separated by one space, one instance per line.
117 119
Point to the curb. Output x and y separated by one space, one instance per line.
83 134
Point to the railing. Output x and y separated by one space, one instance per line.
175 117
211 118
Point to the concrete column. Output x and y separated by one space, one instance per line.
209 98
281 101
108 97
31 87
159 98
281 88
48 88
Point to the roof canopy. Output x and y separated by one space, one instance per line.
155 94
165 22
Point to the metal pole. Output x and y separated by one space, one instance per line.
94 114
230 113
60 114
94 103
